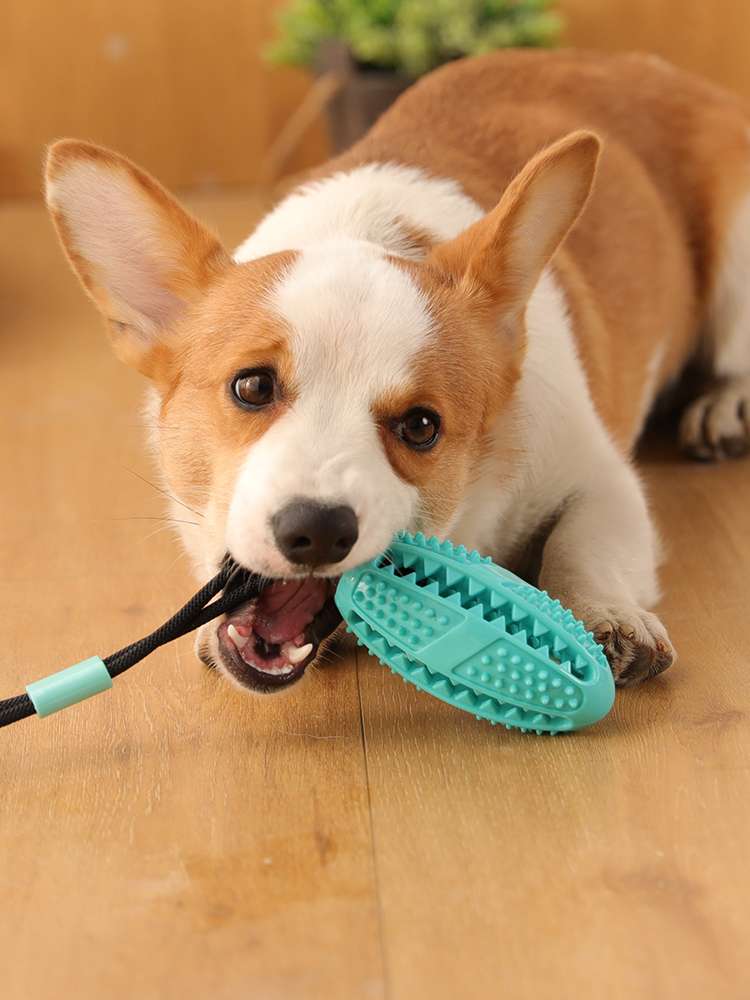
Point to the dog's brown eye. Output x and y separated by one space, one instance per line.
254 388
419 428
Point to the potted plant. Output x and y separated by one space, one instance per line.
375 48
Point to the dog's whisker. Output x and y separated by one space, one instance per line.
154 517
161 528
180 555
164 492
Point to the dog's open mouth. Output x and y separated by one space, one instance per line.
268 642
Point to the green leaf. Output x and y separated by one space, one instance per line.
411 35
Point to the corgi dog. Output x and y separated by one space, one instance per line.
460 326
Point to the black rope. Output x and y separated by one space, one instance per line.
232 583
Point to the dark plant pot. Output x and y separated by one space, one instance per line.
364 94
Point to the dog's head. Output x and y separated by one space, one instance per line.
310 404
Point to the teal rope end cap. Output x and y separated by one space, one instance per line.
68 687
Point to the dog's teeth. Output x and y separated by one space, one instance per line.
298 653
240 641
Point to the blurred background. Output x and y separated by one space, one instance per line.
245 91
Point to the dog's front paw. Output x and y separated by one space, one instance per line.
635 641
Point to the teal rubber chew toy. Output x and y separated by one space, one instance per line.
463 629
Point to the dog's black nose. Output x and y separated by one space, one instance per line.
311 534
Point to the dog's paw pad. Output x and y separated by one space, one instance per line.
717 425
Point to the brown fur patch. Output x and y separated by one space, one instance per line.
203 432
447 379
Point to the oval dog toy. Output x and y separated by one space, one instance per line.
463 629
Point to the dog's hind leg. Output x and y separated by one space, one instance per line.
716 425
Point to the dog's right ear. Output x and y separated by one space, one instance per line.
140 256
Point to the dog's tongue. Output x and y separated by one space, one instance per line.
287 607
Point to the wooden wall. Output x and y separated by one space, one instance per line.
711 37
181 87
178 85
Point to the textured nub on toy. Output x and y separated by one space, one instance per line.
476 636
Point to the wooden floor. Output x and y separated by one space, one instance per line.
354 839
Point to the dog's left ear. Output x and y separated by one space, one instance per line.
140 256
500 258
